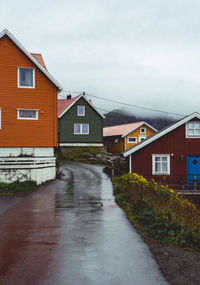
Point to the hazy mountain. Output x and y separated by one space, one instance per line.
117 117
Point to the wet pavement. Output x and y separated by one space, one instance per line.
71 232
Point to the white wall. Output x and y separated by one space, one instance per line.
17 151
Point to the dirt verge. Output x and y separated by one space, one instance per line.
179 267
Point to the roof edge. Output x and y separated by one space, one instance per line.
161 133
20 46
74 102
142 123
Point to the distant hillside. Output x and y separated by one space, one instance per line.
117 117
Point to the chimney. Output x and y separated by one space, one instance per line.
69 97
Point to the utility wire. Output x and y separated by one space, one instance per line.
135 106
125 104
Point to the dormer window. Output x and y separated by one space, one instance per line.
81 110
193 129
26 77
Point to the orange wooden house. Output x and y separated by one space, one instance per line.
120 138
28 114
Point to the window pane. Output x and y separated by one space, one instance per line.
81 110
197 125
190 132
85 129
131 140
77 128
27 113
157 167
157 158
164 167
164 158
26 77
197 132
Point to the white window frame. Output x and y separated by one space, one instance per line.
81 129
132 138
145 130
24 118
187 128
154 172
83 110
18 76
141 137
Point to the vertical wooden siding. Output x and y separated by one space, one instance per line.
91 117
174 143
35 133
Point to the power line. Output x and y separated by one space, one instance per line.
125 104
135 106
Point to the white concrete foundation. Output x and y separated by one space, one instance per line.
37 164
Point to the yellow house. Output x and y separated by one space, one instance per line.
120 138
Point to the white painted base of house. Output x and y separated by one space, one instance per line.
37 164
24 151
39 175
82 144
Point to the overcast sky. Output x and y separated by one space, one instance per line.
142 52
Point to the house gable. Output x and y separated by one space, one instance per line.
91 117
7 34
163 132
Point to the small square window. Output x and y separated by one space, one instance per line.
193 130
26 77
143 130
24 114
81 110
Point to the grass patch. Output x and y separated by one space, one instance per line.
158 212
17 187
83 154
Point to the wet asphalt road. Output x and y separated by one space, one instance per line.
71 232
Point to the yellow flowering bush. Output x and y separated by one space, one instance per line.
162 200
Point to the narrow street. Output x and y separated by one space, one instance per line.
72 232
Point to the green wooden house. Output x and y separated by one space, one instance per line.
79 122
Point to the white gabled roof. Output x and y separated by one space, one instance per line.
74 102
142 123
50 77
161 133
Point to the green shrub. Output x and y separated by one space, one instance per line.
163 214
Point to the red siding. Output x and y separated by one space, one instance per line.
174 143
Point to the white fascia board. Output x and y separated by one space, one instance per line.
142 123
74 102
160 134
50 77
93 107
127 133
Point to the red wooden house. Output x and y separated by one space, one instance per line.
171 156
28 114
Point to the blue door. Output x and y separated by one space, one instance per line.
193 172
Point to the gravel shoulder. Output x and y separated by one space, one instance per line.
177 265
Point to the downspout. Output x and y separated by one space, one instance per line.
130 163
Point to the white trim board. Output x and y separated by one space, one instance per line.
82 144
161 133
137 127
48 75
